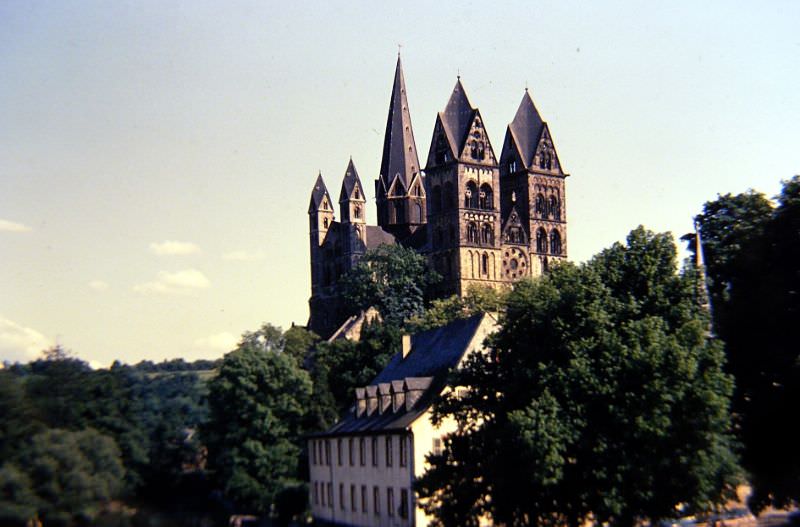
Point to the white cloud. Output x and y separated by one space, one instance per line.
173 248
19 343
98 285
178 282
218 342
12 226
243 256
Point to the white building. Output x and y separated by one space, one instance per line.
362 469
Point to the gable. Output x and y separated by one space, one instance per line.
476 147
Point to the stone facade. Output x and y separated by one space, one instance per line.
478 218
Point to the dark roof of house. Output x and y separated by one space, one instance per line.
377 236
319 191
434 354
527 129
350 180
399 149
457 118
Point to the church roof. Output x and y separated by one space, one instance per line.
399 149
350 180
317 193
377 236
457 118
526 128
434 353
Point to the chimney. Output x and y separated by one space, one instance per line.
406 345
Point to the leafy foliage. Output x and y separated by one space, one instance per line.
258 407
601 397
393 279
752 253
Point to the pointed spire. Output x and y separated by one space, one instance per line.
399 148
526 128
457 117
349 182
319 192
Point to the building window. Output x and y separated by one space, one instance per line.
555 242
404 503
357 194
487 236
374 451
471 196
389 441
403 452
353 498
325 223
540 206
341 496
555 209
322 491
364 499
350 451
316 493
328 452
357 212
390 501
472 233
485 264
541 241
485 196
313 449
339 451
362 452
376 500
437 446
330 495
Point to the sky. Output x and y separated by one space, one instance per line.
157 157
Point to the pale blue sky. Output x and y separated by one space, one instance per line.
124 125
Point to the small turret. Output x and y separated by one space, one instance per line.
320 212
352 203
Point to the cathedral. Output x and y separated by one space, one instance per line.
478 218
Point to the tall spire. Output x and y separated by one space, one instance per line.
457 117
399 149
526 128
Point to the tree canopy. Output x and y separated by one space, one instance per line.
752 252
602 396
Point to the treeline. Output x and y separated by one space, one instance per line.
72 438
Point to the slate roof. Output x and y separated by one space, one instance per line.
349 182
399 148
377 236
526 129
319 191
457 118
434 353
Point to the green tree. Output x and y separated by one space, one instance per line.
442 311
601 397
71 474
258 406
393 279
752 250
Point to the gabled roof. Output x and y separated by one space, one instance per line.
434 354
457 118
349 183
399 149
377 236
526 129
317 193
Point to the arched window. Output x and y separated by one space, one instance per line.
448 196
487 236
540 206
325 223
555 209
416 213
541 241
485 264
357 211
357 194
399 211
486 197
471 196
436 199
472 233
555 242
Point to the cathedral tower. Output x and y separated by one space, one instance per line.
320 215
352 206
400 190
533 191
463 184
